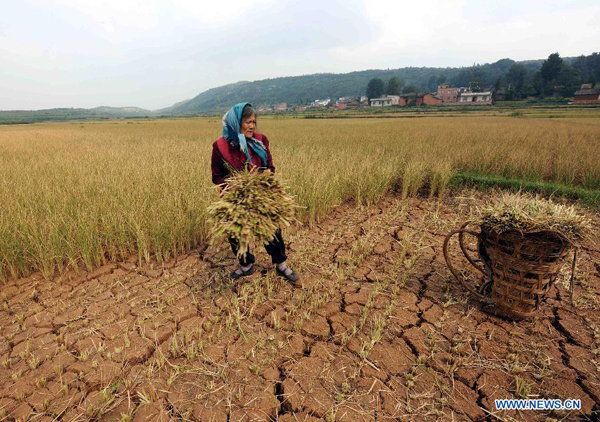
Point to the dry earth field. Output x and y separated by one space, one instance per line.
378 329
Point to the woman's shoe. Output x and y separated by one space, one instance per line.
239 273
289 274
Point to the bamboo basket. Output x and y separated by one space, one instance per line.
518 268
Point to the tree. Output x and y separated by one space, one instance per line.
537 84
549 72
375 88
393 86
510 92
468 75
475 85
588 68
593 65
581 66
410 89
431 83
551 67
496 88
568 80
516 77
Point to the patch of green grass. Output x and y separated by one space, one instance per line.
587 197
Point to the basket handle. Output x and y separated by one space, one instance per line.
461 242
461 231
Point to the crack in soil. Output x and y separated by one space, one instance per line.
556 324
172 411
594 396
330 336
410 345
423 285
420 295
308 348
335 252
279 393
566 360
480 397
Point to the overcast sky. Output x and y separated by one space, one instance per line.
152 53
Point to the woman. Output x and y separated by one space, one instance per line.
238 145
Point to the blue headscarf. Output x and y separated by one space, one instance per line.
232 122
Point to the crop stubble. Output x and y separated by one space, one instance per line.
379 331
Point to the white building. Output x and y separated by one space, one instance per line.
479 98
387 101
320 103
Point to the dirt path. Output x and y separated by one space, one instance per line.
378 331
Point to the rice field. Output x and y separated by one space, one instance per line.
77 195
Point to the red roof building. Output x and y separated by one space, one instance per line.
587 95
428 99
447 94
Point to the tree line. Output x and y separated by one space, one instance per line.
296 90
555 77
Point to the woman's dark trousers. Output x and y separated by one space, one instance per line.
275 248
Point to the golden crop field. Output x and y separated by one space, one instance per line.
81 194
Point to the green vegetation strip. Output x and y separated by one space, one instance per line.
588 197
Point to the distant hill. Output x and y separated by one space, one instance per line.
54 114
296 90
133 111
304 89
171 108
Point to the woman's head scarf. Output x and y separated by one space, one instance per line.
232 123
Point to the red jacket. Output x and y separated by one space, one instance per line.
224 151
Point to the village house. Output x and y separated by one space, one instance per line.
320 103
447 94
454 96
280 107
427 99
475 98
500 95
345 102
587 95
387 101
409 99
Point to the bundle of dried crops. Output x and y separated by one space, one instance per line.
531 214
252 207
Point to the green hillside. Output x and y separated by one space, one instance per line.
559 77
304 89
554 76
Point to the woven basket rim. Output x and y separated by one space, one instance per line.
549 235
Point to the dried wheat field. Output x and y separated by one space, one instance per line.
114 307
82 194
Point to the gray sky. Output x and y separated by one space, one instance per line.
151 53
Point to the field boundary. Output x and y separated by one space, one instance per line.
588 197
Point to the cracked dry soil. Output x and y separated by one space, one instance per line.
378 330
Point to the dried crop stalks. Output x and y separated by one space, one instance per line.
252 207
79 196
